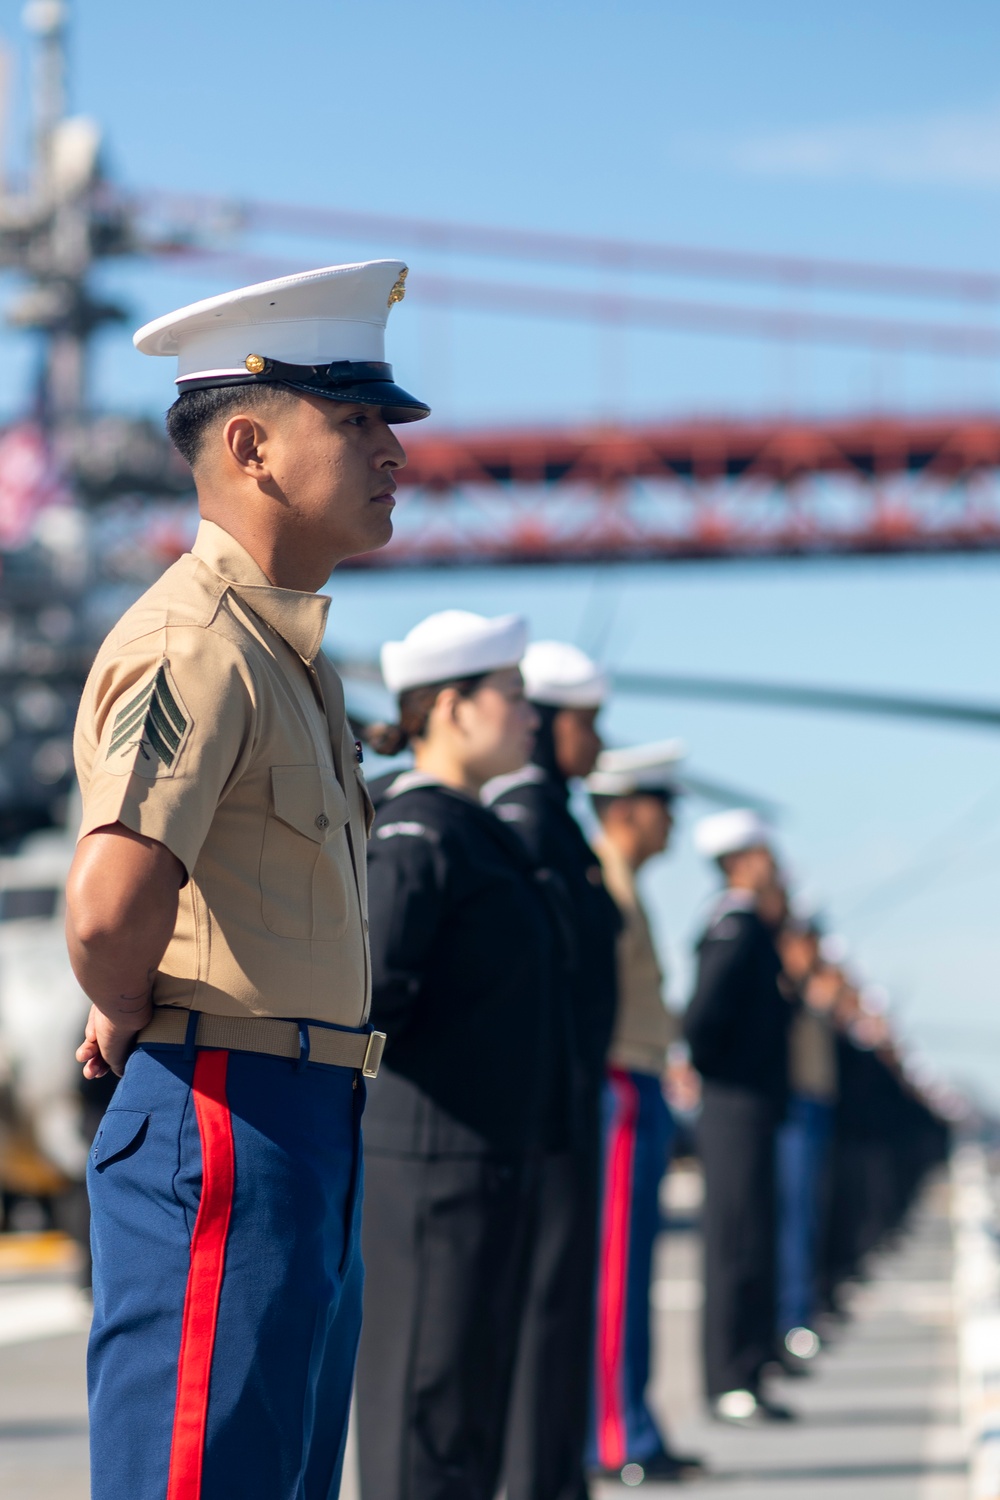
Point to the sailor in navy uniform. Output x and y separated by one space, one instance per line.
464 946
737 1028
550 1411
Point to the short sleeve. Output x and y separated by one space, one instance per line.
407 902
165 728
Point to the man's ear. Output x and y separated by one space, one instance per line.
242 437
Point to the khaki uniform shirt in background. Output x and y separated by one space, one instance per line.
644 1028
211 722
812 1057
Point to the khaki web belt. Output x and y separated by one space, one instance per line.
341 1049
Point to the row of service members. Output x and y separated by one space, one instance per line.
217 918
886 1137
811 1138
517 1136
494 976
532 1160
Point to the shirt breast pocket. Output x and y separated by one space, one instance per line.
306 873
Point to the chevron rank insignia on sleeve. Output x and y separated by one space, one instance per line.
152 725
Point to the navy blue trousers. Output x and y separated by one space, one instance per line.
803 1147
226 1190
638 1134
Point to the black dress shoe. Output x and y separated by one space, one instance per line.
773 1411
786 1364
745 1408
802 1343
688 1460
663 1467
796 1354
659 1465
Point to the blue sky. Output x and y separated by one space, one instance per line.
865 131
859 131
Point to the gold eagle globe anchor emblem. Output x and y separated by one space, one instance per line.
399 287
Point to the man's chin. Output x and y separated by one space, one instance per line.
383 530
375 537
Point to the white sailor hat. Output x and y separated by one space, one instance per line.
322 332
731 832
562 676
454 643
640 768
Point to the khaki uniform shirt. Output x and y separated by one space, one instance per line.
211 722
812 1056
644 1028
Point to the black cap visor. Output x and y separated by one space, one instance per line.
362 383
667 794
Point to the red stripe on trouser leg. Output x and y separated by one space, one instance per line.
619 1163
204 1283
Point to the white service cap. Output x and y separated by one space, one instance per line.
640 768
731 832
453 643
562 676
319 331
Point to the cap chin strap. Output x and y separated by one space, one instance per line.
340 374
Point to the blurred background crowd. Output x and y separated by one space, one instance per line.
555 1063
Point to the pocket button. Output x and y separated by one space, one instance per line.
322 822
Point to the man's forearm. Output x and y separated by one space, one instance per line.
116 972
115 947
121 906
121 1004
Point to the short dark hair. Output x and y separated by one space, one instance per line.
191 415
602 802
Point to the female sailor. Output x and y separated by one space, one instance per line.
464 938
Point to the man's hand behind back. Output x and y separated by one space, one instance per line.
121 906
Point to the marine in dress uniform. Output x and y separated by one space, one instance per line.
550 1410
633 792
804 1139
737 1028
464 950
211 743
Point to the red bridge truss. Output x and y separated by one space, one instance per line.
699 489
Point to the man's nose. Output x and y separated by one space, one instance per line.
395 454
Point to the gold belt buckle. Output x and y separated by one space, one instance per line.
373 1054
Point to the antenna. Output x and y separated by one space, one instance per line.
56 232
48 20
